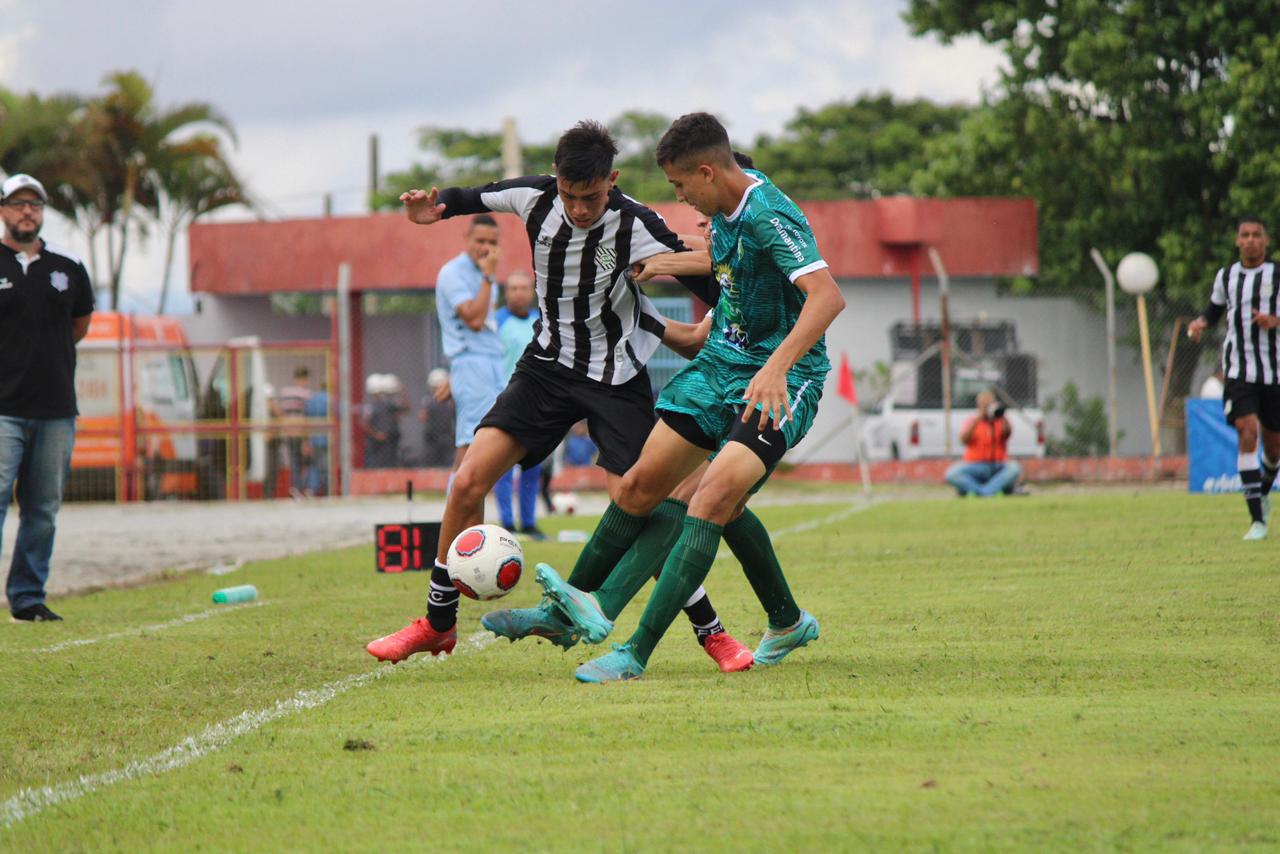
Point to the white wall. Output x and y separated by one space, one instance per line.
1067 337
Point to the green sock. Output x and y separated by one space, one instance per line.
750 544
643 559
686 567
617 530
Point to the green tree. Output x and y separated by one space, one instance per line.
109 160
456 158
461 158
864 148
1135 124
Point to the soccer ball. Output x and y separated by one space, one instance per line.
564 502
485 562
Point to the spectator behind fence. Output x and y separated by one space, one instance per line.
45 306
986 469
381 421
466 295
292 403
579 450
315 470
516 322
437 417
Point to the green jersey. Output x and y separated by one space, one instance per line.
757 252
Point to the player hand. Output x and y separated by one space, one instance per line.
643 271
1196 328
422 207
443 392
1265 321
768 390
489 262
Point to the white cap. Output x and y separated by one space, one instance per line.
14 183
437 377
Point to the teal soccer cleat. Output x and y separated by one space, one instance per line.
776 643
1257 531
581 608
618 666
543 621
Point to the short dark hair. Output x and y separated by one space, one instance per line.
482 219
691 135
744 161
585 153
1251 218
301 371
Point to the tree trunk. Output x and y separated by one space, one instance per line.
168 266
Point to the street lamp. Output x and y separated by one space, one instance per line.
1138 274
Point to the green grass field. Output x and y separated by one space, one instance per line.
1057 672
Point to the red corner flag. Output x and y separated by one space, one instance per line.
845 387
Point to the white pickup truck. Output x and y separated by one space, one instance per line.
901 433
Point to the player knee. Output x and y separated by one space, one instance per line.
637 494
1248 436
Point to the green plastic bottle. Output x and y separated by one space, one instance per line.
235 595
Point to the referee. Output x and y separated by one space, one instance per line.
1247 292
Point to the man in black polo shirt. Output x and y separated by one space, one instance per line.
45 304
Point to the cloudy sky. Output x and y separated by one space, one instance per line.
306 84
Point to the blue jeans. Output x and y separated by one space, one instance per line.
530 479
35 452
984 479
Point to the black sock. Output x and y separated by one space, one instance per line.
442 602
706 622
1268 475
1252 480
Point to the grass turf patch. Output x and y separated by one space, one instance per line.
1061 671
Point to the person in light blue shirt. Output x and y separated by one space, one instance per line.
466 295
517 322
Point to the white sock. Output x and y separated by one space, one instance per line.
697 595
1247 461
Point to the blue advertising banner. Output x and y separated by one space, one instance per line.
1211 448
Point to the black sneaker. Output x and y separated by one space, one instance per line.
533 532
36 614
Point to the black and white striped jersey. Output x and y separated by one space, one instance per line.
595 319
1249 352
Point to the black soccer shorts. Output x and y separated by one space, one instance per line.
544 399
1241 398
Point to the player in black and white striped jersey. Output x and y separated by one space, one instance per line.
586 361
1248 294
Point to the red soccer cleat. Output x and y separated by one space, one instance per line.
416 637
727 652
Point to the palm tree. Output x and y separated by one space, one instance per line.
128 143
194 178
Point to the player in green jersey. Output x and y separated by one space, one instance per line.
749 395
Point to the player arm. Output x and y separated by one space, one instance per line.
768 388
686 338
515 195
694 263
80 327
1213 311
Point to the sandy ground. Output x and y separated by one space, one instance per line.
106 545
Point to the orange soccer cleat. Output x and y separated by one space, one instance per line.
416 637
728 652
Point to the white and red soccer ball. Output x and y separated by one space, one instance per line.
485 562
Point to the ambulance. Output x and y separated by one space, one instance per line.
139 365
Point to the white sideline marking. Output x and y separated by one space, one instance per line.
29 802
155 627
801 527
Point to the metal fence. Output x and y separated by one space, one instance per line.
167 420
